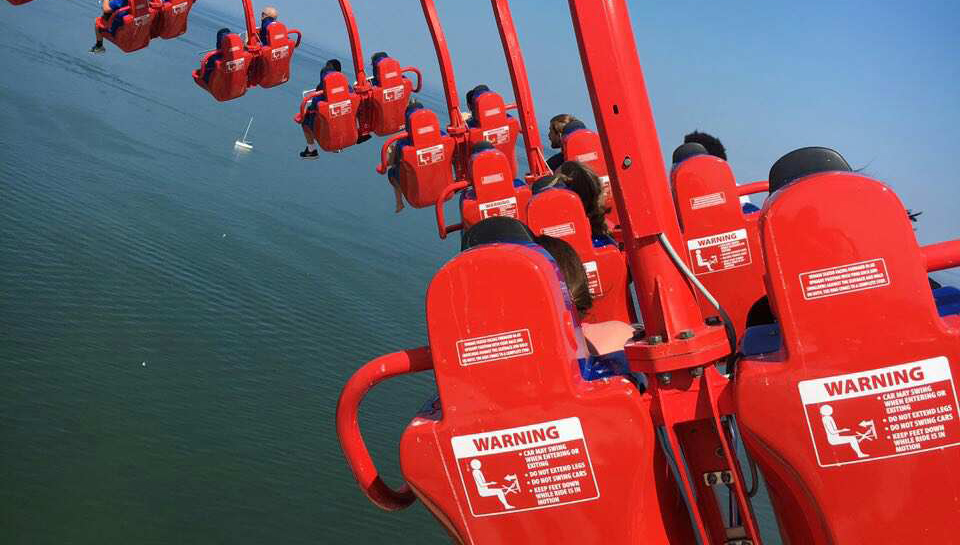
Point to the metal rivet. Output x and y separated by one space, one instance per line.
696 372
713 320
685 334
664 378
654 339
627 161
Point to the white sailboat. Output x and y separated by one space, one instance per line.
243 144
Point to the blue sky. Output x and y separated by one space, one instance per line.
876 80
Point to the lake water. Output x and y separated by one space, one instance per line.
177 321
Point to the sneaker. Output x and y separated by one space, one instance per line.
97 49
307 154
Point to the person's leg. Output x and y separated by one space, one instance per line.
397 192
98 45
310 152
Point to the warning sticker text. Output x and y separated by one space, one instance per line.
499 346
559 231
498 135
860 276
706 201
529 467
504 207
338 109
719 252
429 156
892 411
392 94
593 278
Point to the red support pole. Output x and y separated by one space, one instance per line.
253 35
446 67
521 88
942 255
355 46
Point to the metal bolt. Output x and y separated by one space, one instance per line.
627 161
638 334
713 320
664 378
685 334
654 339
726 477
711 479
696 372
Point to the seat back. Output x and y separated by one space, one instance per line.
426 159
490 123
229 76
722 247
559 213
859 405
583 145
521 445
493 192
389 97
171 20
18 2
335 124
273 60
135 23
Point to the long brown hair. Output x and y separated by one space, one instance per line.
583 181
572 269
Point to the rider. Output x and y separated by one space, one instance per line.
212 59
557 124
267 16
310 114
586 184
109 6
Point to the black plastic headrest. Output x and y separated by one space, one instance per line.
377 57
481 146
803 162
474 93
221 34
575 125
333 65
686 151
496 229
545 182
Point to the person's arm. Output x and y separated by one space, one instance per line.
106 6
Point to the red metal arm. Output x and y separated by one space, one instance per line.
754 187
382 167
942 255
446 67
521 88
253 34
348 428
299 36
355 47
303 105
416 71
442 226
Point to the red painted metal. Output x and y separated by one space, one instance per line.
229 77
493 191
355 47
18 2
422 159
622 492
838 373
752 188
348 427
253 34
720 244
456 126
442 227
335 120
942 255
490 123
521 89
272 65
172 17
134 33
584 146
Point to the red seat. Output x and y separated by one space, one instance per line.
490 123
425 165
576 461
583 146
273 60
865 361
171 20
134 33
493 192
721 245
559 213
389 99
18 2
335 122
229 76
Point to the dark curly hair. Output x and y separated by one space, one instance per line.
712 143
583 181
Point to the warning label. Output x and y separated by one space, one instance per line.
587 157
234 65
494 347
180 8
497 136
559 231
892 411
593 278
429 156
491 178
860 276
338 109
530 467
392 94
280 52
504 207
719 252
706 201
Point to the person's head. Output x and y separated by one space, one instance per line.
268 11
584 182
332 65
572 270
712 143
557 123
221 34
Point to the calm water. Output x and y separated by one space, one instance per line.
176 321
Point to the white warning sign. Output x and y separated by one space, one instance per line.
587 157
559 231
498 135
429 156
504 207
719 252
529 467
892 411
706 201
235 64
341 108
177 9
393 94
280 52
509 344
593 278
860 276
